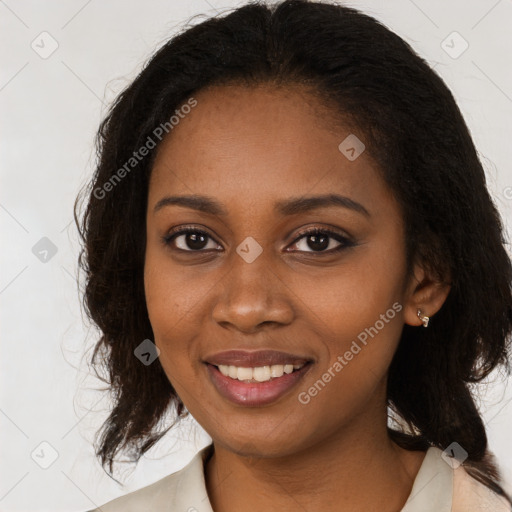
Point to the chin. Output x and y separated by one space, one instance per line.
255 447
261 443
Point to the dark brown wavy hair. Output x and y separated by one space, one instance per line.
412 127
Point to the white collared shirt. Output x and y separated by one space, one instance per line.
437 488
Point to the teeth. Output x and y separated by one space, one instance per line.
244 373
232 371
288 368
258 374
276 370
261 373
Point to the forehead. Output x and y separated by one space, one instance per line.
255 145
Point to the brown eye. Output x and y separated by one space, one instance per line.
189 239
318 240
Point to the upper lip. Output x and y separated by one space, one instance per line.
253 359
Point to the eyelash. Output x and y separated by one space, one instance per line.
345 242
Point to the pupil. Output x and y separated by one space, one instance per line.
196 240
315 238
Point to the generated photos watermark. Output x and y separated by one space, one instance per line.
158 133
305 397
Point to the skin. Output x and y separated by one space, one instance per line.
249 148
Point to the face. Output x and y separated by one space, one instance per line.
252 275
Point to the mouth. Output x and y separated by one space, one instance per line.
257 384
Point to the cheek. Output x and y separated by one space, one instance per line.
358 295
169 301
172 294
361 320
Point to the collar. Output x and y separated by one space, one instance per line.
433 486
191 492
431 490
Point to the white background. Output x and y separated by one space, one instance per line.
50 110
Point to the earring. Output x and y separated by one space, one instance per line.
423 318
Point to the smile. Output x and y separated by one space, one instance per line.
259 373
276 381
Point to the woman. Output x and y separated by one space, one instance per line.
288 203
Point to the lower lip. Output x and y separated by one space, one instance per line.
253 394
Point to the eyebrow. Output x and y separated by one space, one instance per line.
292 206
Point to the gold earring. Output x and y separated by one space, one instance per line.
423 318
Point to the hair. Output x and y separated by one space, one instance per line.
413 129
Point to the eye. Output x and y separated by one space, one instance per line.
192 240
320 239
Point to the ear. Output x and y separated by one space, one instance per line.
424 292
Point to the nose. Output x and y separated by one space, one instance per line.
252 295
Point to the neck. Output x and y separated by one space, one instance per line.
356 471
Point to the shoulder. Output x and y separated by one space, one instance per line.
186 485
442 486
470 495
